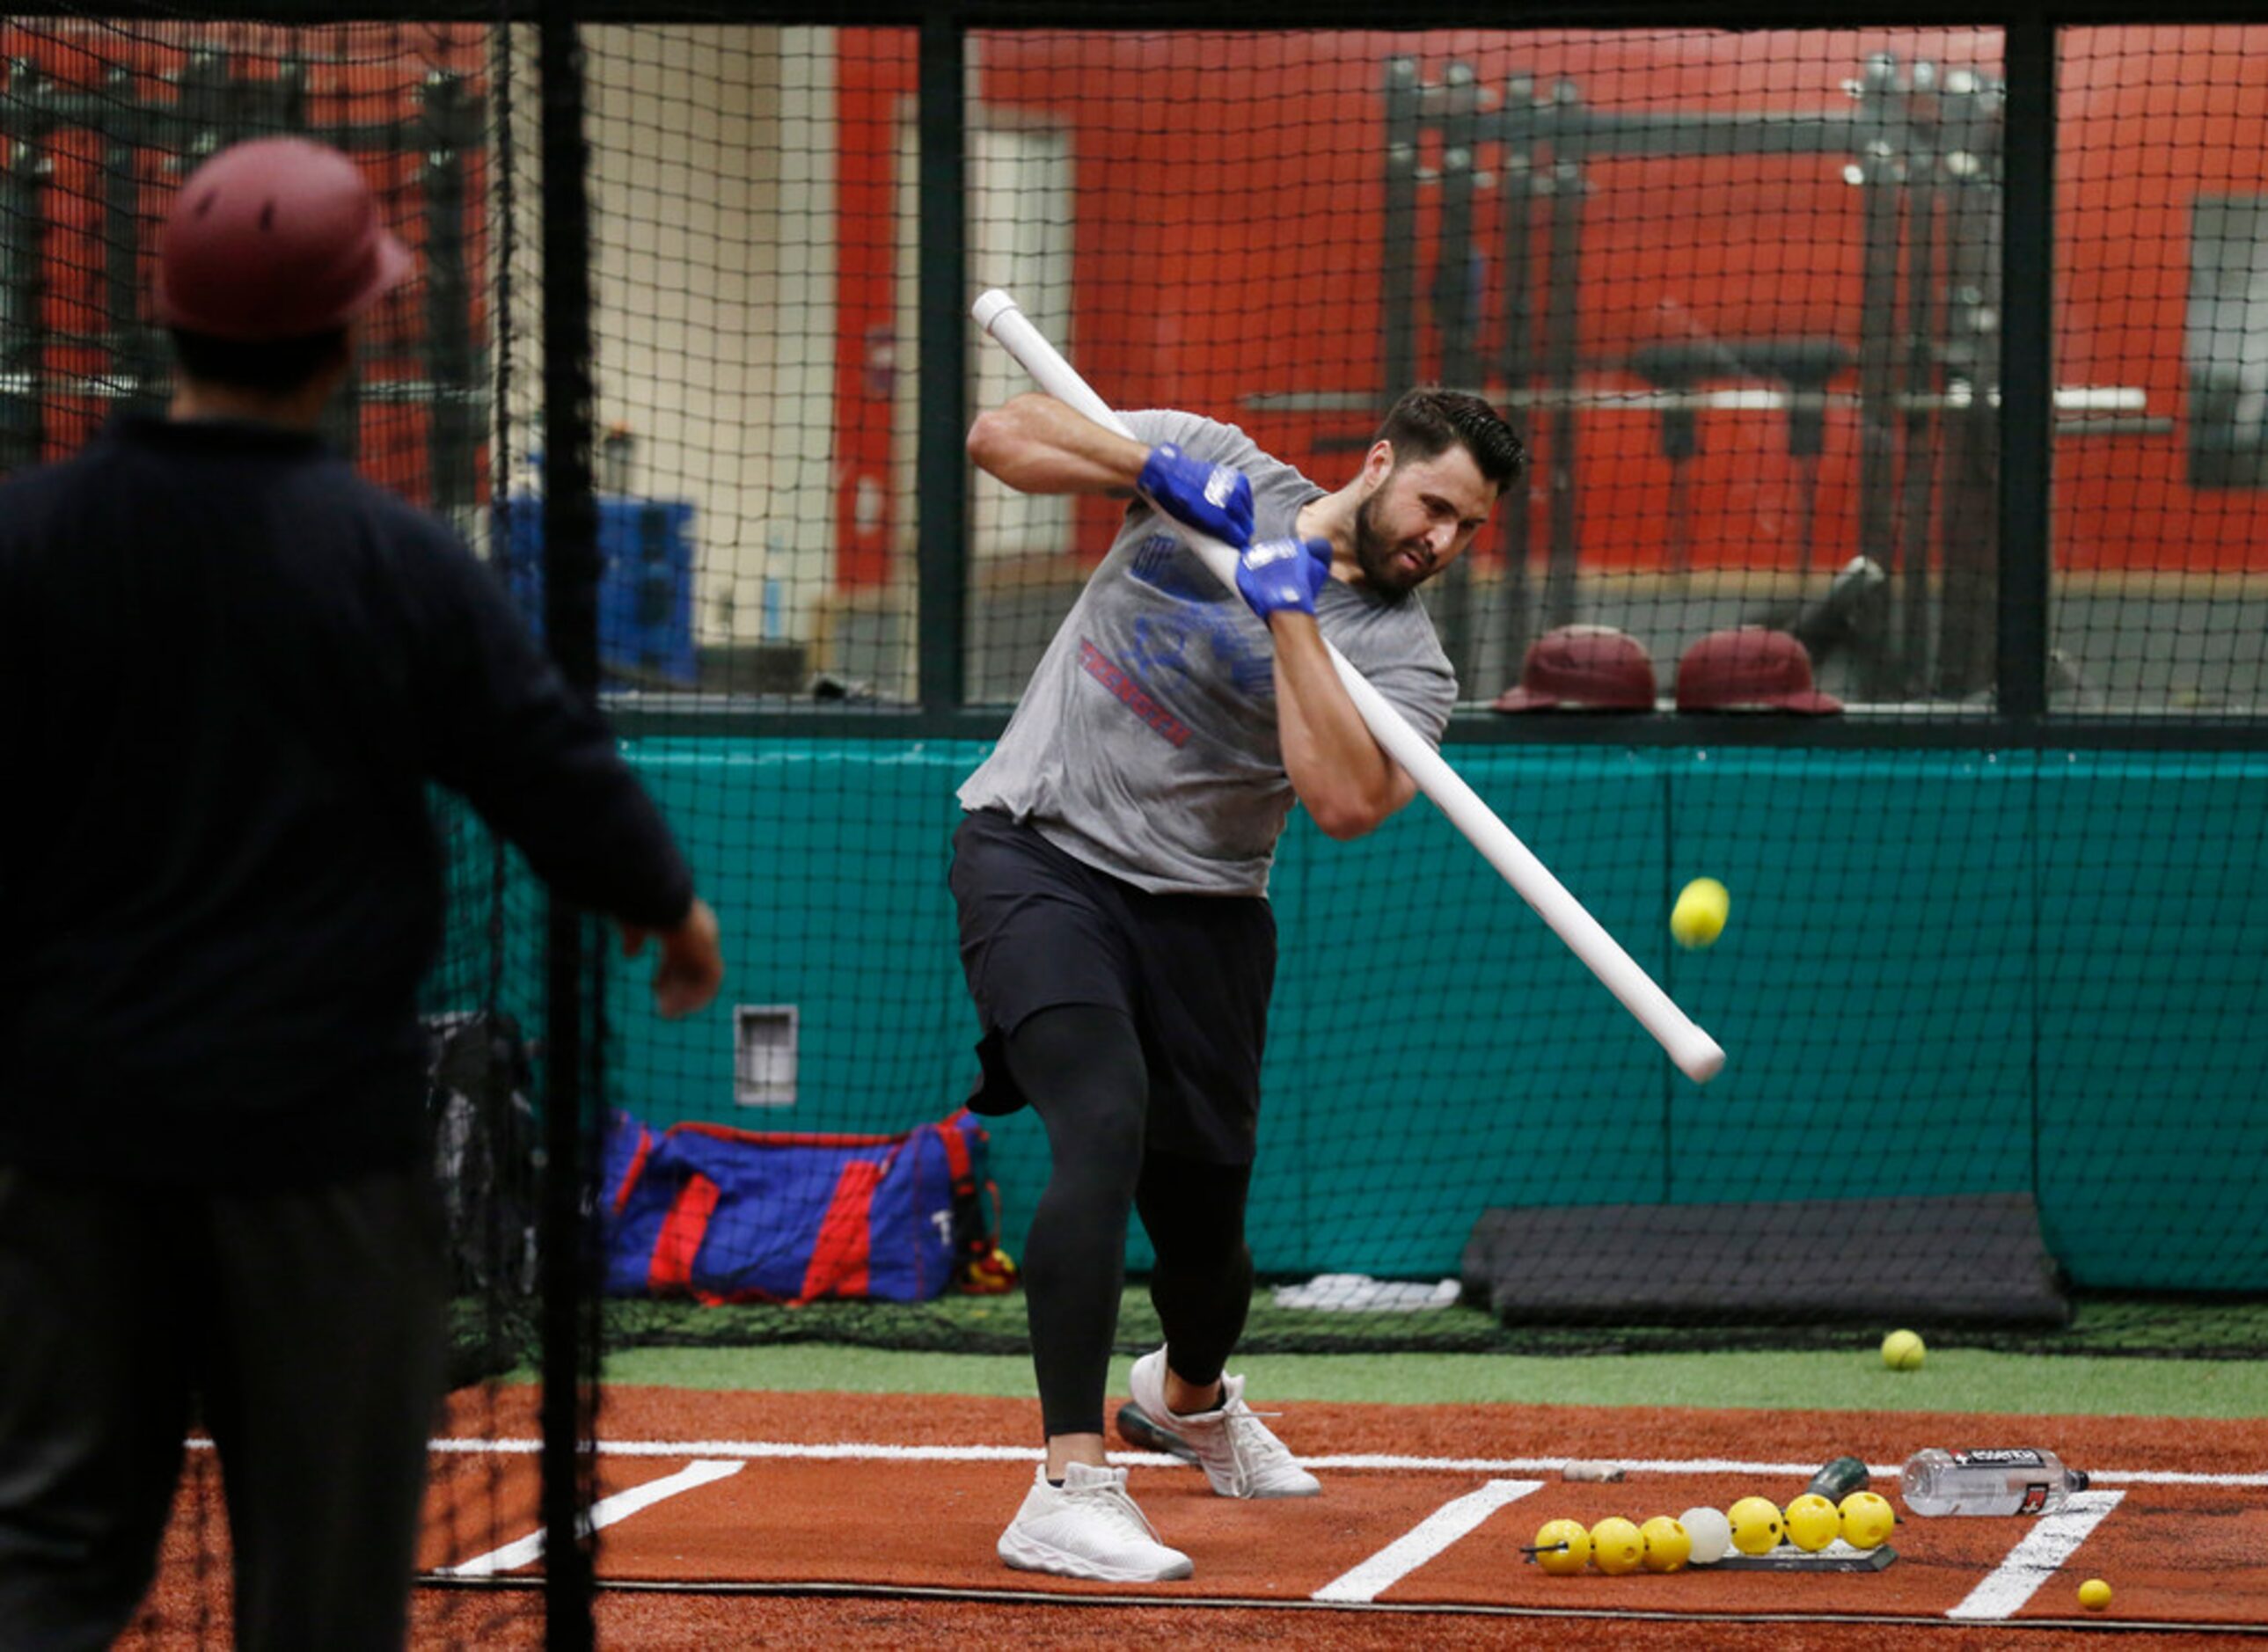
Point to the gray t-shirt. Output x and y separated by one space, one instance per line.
1145 744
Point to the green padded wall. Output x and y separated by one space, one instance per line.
1945 972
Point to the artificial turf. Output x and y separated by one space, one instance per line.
975 1345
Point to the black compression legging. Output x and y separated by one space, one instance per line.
1081 1065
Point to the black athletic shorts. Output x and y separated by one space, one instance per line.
1040 930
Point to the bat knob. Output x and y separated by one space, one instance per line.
991 305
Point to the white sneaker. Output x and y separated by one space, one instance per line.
1089 1527
1239 1454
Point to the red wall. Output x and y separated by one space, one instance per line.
875 73
1227 241
2154 118
362 73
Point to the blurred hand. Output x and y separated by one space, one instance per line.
1283 576
1213 499
692 964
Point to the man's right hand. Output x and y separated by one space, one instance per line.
692 964
1213 499
1283 576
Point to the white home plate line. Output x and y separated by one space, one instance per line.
860 1451
605 1512
1422 1541
2046 1547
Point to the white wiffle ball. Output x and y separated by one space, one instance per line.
1712 1534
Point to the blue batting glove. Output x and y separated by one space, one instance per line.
1213 499
1280 574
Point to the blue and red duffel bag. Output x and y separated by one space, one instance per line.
722 1215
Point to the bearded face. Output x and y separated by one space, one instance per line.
1392 568
1419 519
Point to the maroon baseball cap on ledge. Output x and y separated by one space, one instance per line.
1751 669
1583 668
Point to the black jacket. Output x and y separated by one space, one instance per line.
229 670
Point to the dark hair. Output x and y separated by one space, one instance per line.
1428 420
270 364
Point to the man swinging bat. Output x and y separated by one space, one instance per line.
1111 874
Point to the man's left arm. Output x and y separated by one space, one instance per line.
1344 777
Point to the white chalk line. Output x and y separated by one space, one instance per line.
1422 1541
2049 1542
869 1451
2052 1541
527 1550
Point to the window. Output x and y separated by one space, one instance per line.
2227 342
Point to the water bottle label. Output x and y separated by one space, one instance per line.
2035 1498
2000 1459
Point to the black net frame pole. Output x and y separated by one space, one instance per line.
451 122
1516 363
1562 272
121 243
504 245
23 358
571 619
1917 483
1968 434
1456 294
2026 376
1881 137
1398 277
1456 311
940 462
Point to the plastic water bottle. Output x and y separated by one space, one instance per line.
2021 1481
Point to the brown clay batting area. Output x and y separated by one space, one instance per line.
1423 1506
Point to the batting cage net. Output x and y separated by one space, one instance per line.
1872 646
100 120
1986 815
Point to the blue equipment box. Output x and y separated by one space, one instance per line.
646 583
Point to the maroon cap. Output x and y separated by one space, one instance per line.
275 238
1583 668
1751 669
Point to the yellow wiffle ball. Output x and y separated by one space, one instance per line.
1562 1547
2094 1594
1813 1522
1868 1520
1756 1524
1698 917
1616 1547
1903 1351
1667 1544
